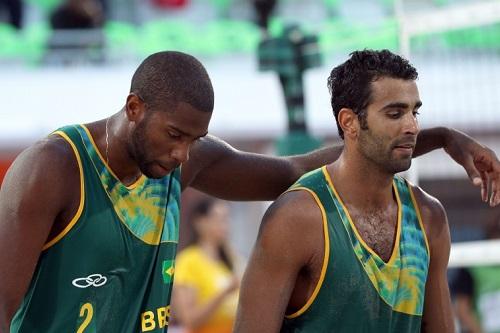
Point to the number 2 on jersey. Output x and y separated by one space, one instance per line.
87 312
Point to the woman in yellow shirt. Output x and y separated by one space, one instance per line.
206 284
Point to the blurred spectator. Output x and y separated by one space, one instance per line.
206 278
15 11
477 293
78 14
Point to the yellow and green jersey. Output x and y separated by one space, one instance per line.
358 291
111 268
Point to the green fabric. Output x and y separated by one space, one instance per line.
110 272
361 293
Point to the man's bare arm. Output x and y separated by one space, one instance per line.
290 235
480 163
465 313
31 197
437 317
218 169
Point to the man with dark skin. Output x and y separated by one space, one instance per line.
89 215
350 247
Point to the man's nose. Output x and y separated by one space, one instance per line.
411 124
181 152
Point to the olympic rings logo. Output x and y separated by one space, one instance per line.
95 280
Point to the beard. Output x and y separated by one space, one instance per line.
136 149
380 151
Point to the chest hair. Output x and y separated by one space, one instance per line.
377 228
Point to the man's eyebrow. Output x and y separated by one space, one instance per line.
400 105
186 134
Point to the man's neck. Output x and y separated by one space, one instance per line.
111 140
360 183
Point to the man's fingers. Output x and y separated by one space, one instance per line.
472 171
484 186
495 190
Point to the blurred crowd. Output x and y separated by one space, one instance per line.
68 14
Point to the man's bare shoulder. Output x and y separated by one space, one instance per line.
54 152
432 211
296 205
294 215
44 162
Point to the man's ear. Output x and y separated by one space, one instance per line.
349 123
134 108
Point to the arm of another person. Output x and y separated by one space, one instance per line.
480 163
463 289
190 313
31 197
465 313
437 316
290 237
217 168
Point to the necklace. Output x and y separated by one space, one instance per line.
107 141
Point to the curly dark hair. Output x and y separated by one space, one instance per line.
166 78
350 83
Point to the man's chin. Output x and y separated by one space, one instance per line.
401 166
155 171
397 165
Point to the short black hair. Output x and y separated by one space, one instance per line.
350 83
169 77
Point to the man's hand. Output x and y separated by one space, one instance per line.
480 163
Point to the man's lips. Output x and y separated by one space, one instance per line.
405 146
168 167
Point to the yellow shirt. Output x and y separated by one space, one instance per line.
208 277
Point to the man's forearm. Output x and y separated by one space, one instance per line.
428 140
431 139
315 159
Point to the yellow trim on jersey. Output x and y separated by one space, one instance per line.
419 217
129 187
395 249
325 258
75 218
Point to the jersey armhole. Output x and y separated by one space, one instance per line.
326 255
419 217
78 213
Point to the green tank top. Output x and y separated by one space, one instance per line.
111 269
357 291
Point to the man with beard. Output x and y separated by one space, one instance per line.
351 247
89 216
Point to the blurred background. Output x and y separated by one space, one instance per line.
71 61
